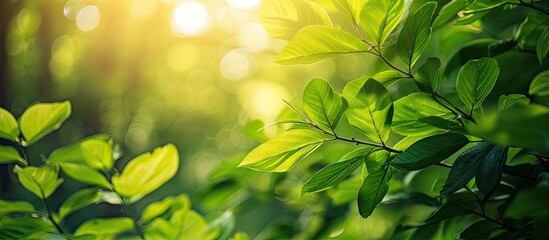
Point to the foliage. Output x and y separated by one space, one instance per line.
91 161
445 120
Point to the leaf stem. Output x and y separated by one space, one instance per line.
461 113
377 52
50 215
530 5
360 142
127 213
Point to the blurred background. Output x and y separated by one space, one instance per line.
199 74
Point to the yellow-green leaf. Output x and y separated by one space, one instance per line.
41 181
97 154
415 34
8 125
84 174
78 201
323 106
379 18
411 109
350 9
19 206
105 228
540 84
10 154
43 118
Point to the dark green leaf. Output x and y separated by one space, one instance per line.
542 48
10 154
41 181
78 201
541 227
465 167
532 22
282 152
411 109
8 125
43 118
323 106
335 173
84 174
540 84
529 202
370 109
489 172
415 34
442 123
448 210
284 18
429 151
506 101
379 18
427 76
475 81
478 230
372 191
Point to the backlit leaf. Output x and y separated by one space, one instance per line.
350 9
78 201
409 111
166 206
379 18
9 154
84 174
475 81
323 106
532 22
15 206
42 181
540 84
43 118
542 48
372 191
415 34
105 228
506 101
450 11
97 154
8 125
427 76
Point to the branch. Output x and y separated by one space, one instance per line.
531 5
441 164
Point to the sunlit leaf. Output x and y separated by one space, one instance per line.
415 34
323 106
444 124
506 101
97 154
429 151
240 236
427 76
379 18
84 174
450 11
43 118
184 224
372 191
387 78
15 206
147 172
42 181
315 43
8 125
78 201
411 109
540 84
542 48
350 9
167 205
475 81
465 167
335 173
284 18
490 169
370 109
221 224
10 154
529 202
73 152
105 228
285 150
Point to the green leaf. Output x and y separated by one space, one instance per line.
427 76
282 152
147 172
415 34
465 167
97 154
184 224
370 109
372 191
490 169
323 106
448 210
43 118
541 227
532 22
443 124
478 230
84 174
24 228
168 205
335 173
387 78
19 206
521 126
105 228
542 48
41 181
314 43
540 84
73 153
506 101
8 125
379 18
78 201
221 224
529 202
428 151
240 236
475 81
284 18
450 11
10 154
409 111
350 9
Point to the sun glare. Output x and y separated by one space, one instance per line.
243 4
189 19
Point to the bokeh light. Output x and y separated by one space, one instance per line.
190 18
88 18
243 4
235 65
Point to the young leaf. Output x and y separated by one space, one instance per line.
73 153
409 111
78 201
450 11
105 228
427 76
350 9
314 43
428 151
370 109
8 125
542 48
183 224
323 106
372 191
335 173
84 174
41 181
506 101
285 150
489 172
379 18
147 172
9 207
415 34
284 18
10 154
465 167
475 81
97 154
540 84
167 205
43 118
